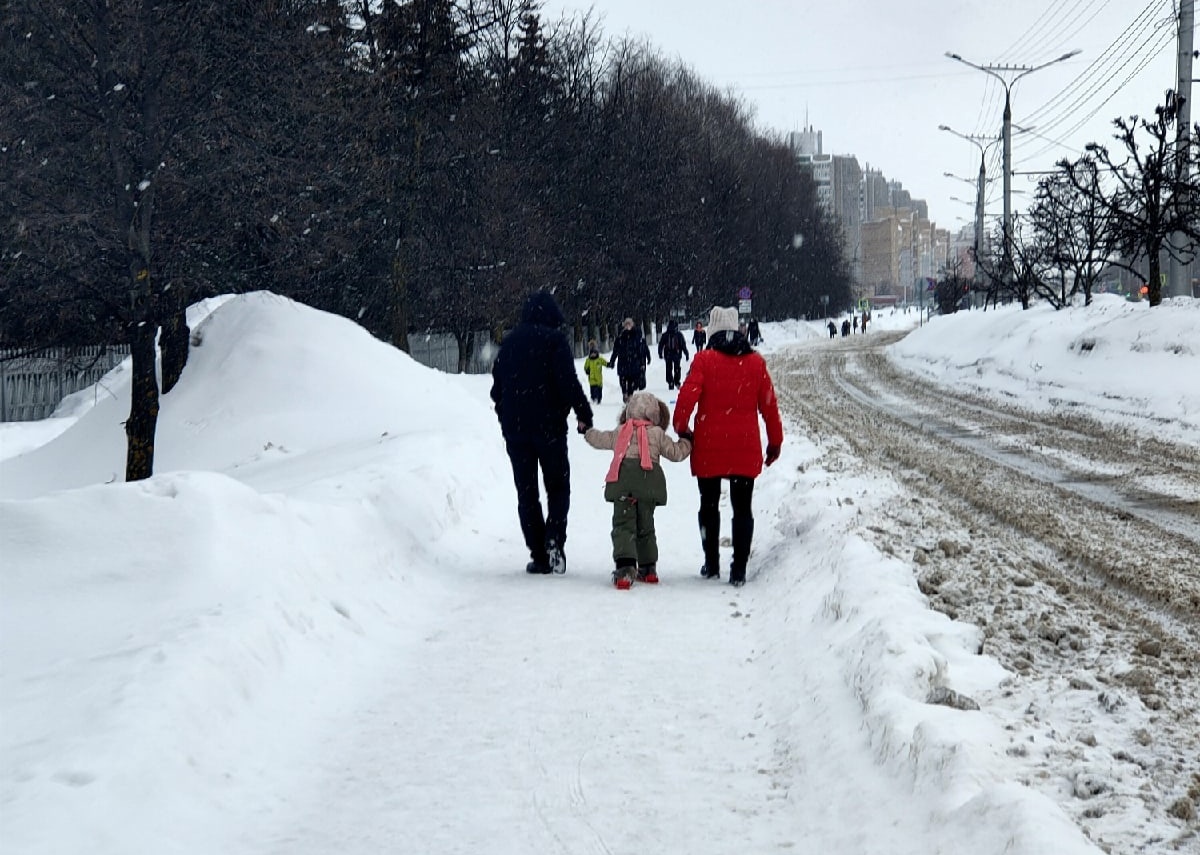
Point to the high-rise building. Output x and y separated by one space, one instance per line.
888 239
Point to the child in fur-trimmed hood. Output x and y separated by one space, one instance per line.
636 484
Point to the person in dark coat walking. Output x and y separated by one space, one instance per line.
832 329
753 334
534 387
671 349
630 356
699 337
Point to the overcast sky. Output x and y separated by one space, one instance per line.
873 75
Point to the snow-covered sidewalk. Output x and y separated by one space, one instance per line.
312 633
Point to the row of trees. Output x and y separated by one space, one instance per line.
1127 207
411 165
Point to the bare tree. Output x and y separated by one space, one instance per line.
1146 203
1076 226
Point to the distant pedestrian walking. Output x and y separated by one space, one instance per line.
630 356
832 330
594 367
534 387
845 327
699 337
672 348
753 335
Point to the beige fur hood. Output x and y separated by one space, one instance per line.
644 406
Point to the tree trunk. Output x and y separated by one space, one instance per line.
466 348
173 344
143 404
399 303
1154 294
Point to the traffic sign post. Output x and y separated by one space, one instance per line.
744 294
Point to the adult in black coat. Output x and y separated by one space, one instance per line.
630 356
534 387
672 347
699 337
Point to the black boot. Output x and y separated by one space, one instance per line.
743 534
710 530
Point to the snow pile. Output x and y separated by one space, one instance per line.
1120 360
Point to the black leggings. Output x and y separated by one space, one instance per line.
741 495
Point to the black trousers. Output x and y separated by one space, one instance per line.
550 455
631 383
741 495
673 373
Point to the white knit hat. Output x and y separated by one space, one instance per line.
722 319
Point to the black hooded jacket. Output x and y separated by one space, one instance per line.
729 342
630 353
672 346
534 384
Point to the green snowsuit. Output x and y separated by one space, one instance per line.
636 492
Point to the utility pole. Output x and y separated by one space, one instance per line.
998 72
1179 274
983 144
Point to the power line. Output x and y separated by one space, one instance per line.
1164 37
849 82
1053 34
1165 42
1033 28
1139 24
1038 38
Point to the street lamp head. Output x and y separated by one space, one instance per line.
1075 52
954 56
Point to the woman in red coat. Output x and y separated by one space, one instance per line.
729 387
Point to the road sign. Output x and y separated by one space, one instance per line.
744 293
743 307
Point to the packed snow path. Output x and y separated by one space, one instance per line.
558 715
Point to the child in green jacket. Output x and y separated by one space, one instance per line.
636 485
594 367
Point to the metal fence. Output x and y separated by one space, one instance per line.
32 386
440 351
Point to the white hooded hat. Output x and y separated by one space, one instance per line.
722 319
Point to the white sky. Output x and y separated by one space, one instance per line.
874 78
311 632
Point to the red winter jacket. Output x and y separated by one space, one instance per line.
728 391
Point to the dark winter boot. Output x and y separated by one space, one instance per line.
535 568
743 534
555 558
710 530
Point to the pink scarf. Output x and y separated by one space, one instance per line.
624 437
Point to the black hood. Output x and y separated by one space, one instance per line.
672 326
541 309
729 342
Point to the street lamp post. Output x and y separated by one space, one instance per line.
998 71
983 144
